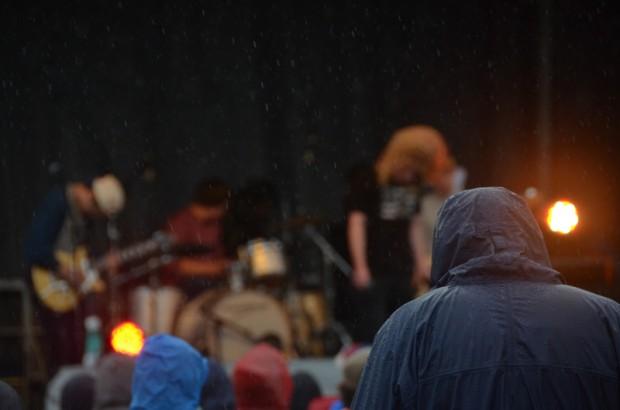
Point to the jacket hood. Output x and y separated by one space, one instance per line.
488 231
169 374
262 381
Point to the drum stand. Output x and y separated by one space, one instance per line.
330 257
148 267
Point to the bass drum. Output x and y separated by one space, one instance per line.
225 325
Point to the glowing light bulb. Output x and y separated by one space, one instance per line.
127 338
562 217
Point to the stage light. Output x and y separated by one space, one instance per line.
562 217
127 338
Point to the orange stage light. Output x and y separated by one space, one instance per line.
127 338
562 217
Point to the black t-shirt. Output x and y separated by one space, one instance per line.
388 210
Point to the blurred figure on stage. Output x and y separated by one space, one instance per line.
381 204
200 225
198 232
450 180
67 222
255 211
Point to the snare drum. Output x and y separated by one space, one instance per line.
264 258
226 325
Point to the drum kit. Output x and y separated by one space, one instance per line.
260 303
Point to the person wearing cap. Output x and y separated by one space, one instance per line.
262 380
65 220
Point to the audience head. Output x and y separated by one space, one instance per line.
485 224
217 393
9 400
305 389
262 380
351 373
78 393
113 382
169 374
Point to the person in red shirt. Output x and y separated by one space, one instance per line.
203 263
200 225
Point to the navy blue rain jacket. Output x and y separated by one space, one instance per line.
500 330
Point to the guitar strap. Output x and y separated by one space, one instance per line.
76 227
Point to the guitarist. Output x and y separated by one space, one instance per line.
63 222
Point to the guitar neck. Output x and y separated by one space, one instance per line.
159 242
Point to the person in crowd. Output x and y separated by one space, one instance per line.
262 380
113 377
381 204
217 393
9 400
351 372
305 389
169 374
352 366
65 222
500 329
78 393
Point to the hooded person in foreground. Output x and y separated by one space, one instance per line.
500 330
262 380
169 374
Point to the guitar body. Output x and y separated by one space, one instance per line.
60 296
55 293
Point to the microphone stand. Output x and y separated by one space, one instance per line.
330 257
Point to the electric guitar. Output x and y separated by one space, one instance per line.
58 295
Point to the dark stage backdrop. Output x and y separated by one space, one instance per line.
297 93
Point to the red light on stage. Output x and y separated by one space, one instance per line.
127 338
562 217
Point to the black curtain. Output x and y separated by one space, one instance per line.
295 93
